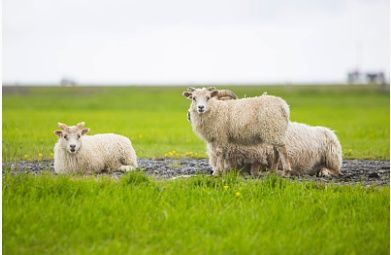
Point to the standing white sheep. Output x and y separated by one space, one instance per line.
77 152
311 150
246 121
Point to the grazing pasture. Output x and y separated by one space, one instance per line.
199 215
155 117
53 214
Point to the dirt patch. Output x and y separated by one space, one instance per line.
367 172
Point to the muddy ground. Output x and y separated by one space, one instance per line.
366 172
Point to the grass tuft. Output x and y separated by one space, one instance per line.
134 178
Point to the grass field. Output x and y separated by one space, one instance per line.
200 215
48 214
155 118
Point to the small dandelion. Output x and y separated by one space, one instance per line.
26 156
226 187
237 194
40 155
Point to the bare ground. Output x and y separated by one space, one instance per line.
366 172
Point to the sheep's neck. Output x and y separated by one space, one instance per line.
206 125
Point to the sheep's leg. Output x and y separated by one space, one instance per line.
255 169
283 156
227 166
126 168
217 171
264 168
219 168
218 161
128 163
276 159
212 160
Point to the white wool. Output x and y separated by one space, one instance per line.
101 152
247 121
310 150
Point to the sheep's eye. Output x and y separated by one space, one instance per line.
65 137
78 136
207 98
194 99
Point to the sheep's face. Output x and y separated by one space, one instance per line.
200 98
70 137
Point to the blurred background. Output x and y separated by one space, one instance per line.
152 42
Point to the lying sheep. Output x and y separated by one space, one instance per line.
246 121
77 152
311 150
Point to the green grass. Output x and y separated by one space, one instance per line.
200 215
50 214
155 118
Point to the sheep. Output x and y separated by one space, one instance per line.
76 152
245 121
311 150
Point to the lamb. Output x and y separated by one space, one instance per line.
246 121
76 152
311 150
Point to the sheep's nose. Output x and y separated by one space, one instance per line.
72 146
201 107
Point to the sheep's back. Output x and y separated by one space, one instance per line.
305 147
255 120
107 144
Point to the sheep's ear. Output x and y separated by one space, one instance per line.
85 131
58 133
62 125
80 124
187 94
214 93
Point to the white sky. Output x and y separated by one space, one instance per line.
193 41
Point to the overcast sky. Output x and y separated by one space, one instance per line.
194 41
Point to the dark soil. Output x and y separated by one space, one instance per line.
367 172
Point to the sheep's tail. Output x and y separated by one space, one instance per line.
333 152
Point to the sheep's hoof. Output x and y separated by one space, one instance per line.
126 168
325 172
216 173
286 173
256 175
